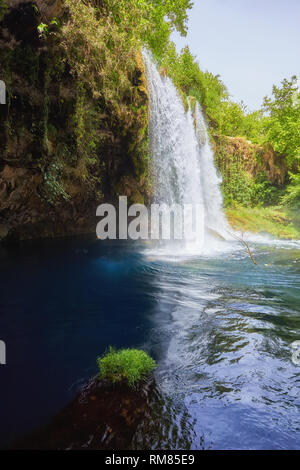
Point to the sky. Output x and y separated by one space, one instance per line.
252 44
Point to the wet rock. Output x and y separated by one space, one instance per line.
50 181
102 416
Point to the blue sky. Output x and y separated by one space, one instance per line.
252 44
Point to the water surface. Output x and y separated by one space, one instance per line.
219 327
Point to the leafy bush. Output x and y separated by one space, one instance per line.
264 193
292 196
130 365
240 188
236 186
53 189
282 121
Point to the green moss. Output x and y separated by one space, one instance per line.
129 365
26 61
184 99
193 102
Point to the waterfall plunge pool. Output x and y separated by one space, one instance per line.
219 328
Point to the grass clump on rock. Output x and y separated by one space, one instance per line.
129 365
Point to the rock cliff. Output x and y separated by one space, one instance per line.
63 148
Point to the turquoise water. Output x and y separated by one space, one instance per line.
219 327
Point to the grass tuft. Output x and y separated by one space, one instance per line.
130 365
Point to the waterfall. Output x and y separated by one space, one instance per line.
183 160
215 219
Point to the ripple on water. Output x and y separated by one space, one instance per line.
227 354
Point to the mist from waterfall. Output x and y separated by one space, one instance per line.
183 161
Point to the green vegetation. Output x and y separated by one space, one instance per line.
129 365
148 22
186 74
239 187
282 124
292 196
102 42
3 9
248 179
276 130
278 221
277 123
273 132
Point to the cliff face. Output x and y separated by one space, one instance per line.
250 158
63 149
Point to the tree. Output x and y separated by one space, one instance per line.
282 123
150 21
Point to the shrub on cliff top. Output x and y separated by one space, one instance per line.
130 365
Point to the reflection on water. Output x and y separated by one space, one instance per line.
219 328
227 326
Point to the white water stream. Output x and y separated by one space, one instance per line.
183 161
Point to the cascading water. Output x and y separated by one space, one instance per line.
183 160
215 219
